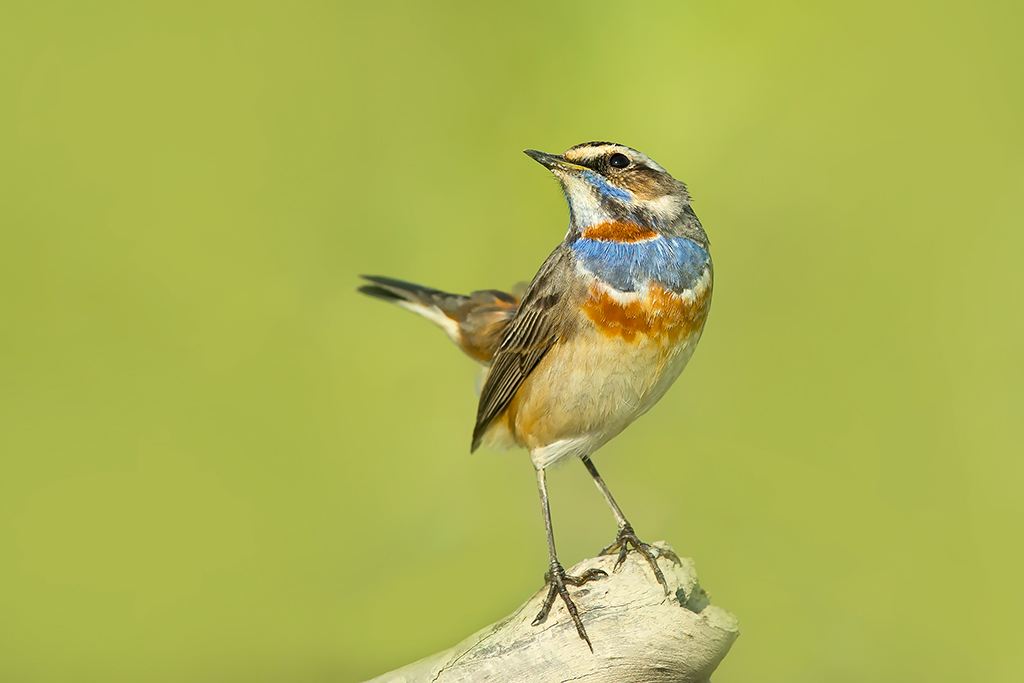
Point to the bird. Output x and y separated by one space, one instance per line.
598 336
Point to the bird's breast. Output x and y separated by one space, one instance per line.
643 285
621 360
628 257
653 313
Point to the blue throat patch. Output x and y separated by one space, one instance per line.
605 188
676 263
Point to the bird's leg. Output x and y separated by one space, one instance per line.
626 536
556 577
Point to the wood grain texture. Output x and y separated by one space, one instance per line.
639 634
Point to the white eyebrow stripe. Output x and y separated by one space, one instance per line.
594 152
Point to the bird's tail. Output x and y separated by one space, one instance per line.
417 298
475 322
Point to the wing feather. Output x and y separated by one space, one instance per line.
542 319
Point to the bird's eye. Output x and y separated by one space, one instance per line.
618 160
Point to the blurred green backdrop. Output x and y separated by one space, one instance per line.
222 464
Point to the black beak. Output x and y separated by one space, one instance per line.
543 158
553 162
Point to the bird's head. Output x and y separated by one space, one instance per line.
605 181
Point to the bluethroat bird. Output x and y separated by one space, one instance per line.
605 327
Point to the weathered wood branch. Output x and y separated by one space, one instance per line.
639 634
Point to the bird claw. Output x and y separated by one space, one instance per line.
650 553
557 580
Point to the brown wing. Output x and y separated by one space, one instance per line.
542 319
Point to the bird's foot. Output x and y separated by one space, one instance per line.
557 580
627 537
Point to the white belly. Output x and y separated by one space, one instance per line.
598 389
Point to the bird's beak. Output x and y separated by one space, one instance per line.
552 162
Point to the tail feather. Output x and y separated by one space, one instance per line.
475 322
391 289
381 293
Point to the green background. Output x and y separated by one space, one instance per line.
220 463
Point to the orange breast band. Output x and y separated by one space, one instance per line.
617 231
661 314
